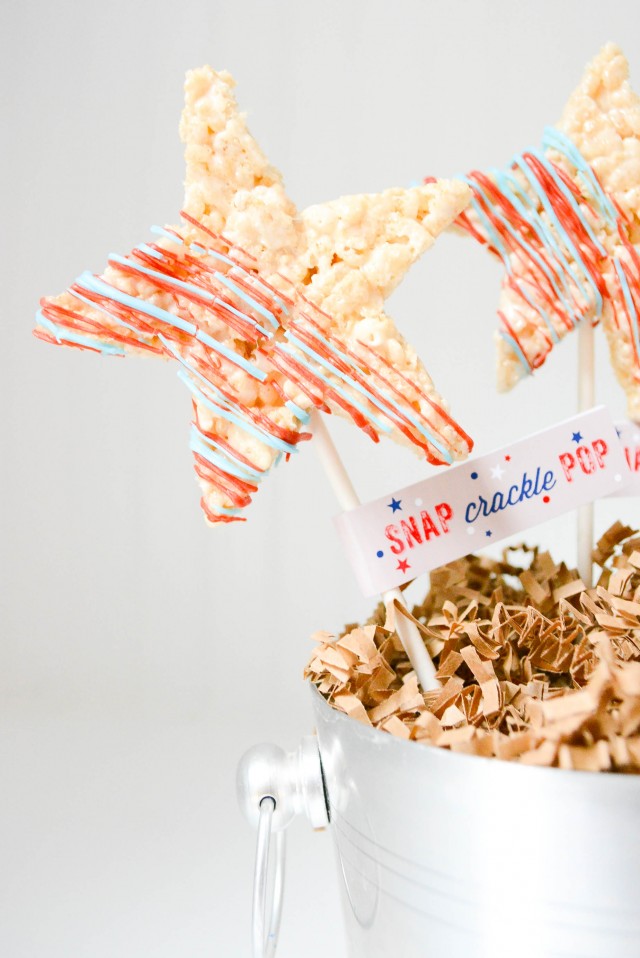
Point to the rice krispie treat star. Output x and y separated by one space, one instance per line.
269 312
564 220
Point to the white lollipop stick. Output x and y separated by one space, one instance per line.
348 499
586 399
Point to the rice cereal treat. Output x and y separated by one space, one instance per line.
268 312
564 219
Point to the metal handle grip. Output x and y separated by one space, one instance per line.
274 787
266 917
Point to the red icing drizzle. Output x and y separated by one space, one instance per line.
252 344
541 273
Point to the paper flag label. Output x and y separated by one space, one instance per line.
420 527
629 435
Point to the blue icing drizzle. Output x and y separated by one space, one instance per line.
222 510
267 291
577 256
297 411
206 251
534 306
626 292
241 315
570 199
252 474
503 252
188 287
224 410
522 203
220 405
150 251
387 401
336 372
202 444
545 315
236 290
252 302
214 254
96 285
116 319
67 336
496 241
220 277
251 368
528 210
383 427
159 231
178 283
555 139
566 277
515 346
493 236
195 246
87 281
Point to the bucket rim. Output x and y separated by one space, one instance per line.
438 755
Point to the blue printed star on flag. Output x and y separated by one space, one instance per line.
577 437
394 505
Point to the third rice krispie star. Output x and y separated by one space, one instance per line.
564 219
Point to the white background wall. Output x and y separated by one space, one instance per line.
142 652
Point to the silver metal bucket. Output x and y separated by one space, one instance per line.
454 856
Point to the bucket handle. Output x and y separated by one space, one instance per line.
273 787
265 932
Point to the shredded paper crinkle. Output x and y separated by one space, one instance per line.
533 667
